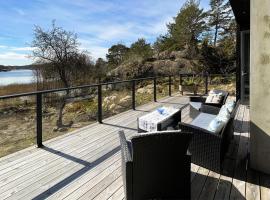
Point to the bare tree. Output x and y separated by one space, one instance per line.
60 50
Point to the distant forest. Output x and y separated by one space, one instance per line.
8 68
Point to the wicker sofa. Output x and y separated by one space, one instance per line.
156 165
202 99
208 149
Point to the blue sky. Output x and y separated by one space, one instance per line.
98 23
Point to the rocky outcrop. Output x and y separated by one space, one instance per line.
163 63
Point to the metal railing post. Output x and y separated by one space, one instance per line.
206 84
155 89
39 119
100 103
133 94
170 86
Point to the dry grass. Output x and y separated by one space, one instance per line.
17 88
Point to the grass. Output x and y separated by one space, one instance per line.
17 88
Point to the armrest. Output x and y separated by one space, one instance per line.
206 147
209 109
125 147
198 99
194 129
181 110
127 168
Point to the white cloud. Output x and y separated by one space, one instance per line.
13 58
99 23
94 47
22 48
13 48
98 52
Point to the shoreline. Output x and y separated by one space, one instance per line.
16 77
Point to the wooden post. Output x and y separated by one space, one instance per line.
181 83
170 86
39 119
133 94
155 89
100 103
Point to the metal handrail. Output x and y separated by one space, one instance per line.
39 95
71 88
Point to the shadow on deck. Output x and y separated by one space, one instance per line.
87 165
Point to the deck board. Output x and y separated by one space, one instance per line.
86 164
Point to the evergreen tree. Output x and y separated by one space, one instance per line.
141 48
220 58
100 69
116 54
188 26
220 17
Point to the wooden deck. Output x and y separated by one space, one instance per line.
86 164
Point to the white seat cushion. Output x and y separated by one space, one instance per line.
203 120
196 105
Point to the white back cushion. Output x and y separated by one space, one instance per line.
224 114
216 125
214 98
230 105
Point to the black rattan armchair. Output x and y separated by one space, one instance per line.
202 99
208 149
156 165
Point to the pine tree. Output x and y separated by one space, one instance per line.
116 54
188 26
220 17
141 48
